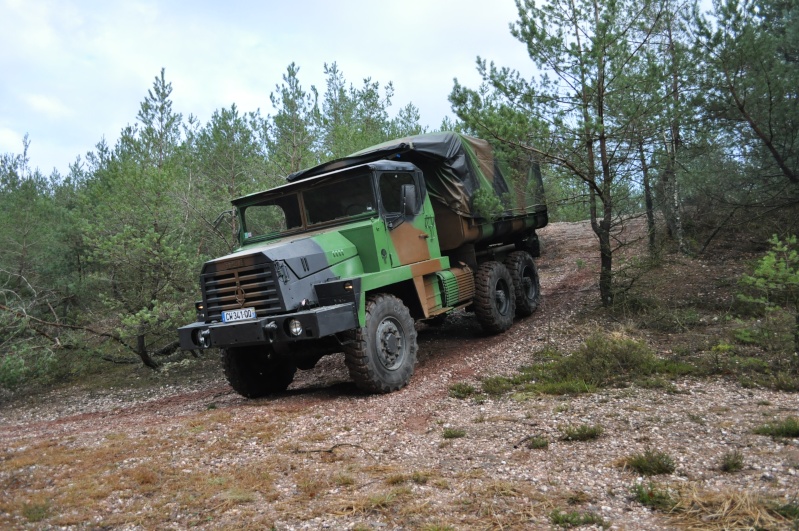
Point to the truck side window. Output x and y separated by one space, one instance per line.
391 191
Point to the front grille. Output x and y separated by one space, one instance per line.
223 290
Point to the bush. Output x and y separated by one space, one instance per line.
652 496
583 432
608 360
461 390
651 463
785 428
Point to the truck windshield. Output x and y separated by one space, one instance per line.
324 202
272 217
339 199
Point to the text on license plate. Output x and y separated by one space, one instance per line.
238 315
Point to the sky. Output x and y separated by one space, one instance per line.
74 72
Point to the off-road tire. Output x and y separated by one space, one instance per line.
495 300
256 371
525 282
381 355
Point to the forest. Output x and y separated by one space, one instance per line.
647 108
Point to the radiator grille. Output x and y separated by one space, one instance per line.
251 286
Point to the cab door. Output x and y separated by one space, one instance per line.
410 226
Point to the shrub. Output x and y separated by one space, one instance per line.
496 385
461 390
732 461
576 519
650 463
607 360
785 428
454 433
537 443
652 496
583 432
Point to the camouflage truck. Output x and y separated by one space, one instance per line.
348 254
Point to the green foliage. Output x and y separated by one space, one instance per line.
650 495
576 519
488 205
774 284
604 360
731 461
461 390
775 280
650 462
453 433
537 443
496 385
582 432
788 427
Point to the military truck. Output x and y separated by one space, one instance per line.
347 255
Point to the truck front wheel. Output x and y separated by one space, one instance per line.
381 355
525 282
256 371
495 300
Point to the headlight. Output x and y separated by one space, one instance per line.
295 327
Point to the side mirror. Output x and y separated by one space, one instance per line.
409 205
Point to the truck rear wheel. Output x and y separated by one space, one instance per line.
494 301
525 282
256 371
382 354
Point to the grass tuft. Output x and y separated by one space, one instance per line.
732 461
785 428
576 519
454 433
583 432
652 496
461 390
650 463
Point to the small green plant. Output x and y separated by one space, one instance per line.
583 432
732 461
789 511
575 519
537 443
454 433
775 282
496 385
461 390
785 428
420 478
35 512
650 463
653 496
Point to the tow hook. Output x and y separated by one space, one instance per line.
204 338
269 329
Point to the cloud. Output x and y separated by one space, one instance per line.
48 105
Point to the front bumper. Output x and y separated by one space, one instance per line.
316 323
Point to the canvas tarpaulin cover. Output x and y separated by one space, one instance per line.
455 167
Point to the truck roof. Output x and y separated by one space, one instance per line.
379 165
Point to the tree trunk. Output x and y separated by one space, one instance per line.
650 208
141 350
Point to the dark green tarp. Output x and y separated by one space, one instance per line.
455 167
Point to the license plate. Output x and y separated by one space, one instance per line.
238 315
